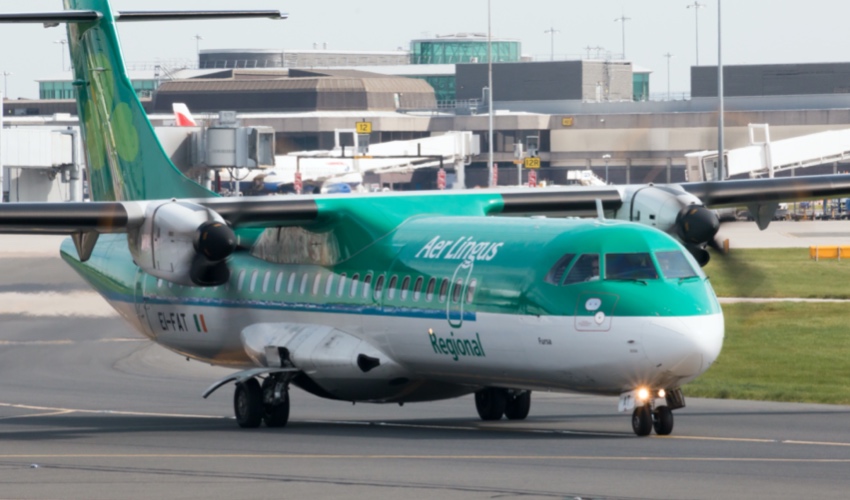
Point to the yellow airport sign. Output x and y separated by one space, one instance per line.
567 121
364 128
532 163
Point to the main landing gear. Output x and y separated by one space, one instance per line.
492 403
254 403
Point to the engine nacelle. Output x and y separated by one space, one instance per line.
183 243
674 211
656 206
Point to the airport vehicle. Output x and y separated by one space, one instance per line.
389 298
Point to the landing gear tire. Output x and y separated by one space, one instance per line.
642 421
518 405
248 404
491 403
663 421
275 415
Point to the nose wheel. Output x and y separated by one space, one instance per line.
644 419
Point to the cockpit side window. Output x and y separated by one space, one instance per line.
586 268
556 274
630 266
675 264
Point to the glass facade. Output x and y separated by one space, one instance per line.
640 86
65 89
458 51
444 87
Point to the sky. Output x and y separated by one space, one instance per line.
754 31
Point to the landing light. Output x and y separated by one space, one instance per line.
643 394
662 393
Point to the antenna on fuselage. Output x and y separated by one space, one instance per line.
600 214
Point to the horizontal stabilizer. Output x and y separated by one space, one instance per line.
199 15
52 18
66 218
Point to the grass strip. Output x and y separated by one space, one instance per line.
788 352
778 273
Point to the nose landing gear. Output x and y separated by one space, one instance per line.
649 415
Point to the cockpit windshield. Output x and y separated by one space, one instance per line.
586 268
675 264
629 266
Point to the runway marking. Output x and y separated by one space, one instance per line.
252 456
65 342
108 412
32 415
765 300
367 423
55 304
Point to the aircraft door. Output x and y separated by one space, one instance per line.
458 288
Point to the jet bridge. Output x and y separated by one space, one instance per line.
763 157
347 164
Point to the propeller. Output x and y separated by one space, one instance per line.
697 227
214 242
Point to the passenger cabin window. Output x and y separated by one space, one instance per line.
391 287
317 283
354 281
417 288
556 274
266 281
470 290
367 281
329 285
586 268
405 284
304 279
429 292
379 288
278 282
341 288
456 291
291 285
254 280
675 264
444 289
629 266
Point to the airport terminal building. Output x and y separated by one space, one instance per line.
583 114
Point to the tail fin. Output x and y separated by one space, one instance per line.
125 158
183 116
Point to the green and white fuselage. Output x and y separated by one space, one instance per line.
447 304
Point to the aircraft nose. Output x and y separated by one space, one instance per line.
685 346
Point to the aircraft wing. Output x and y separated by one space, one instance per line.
748 192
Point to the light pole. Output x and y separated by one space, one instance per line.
6 76
490 96
720 146
696 6
607 158
622 19
61 44
668 56
198 39
552 31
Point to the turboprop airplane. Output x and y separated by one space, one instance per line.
389 298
